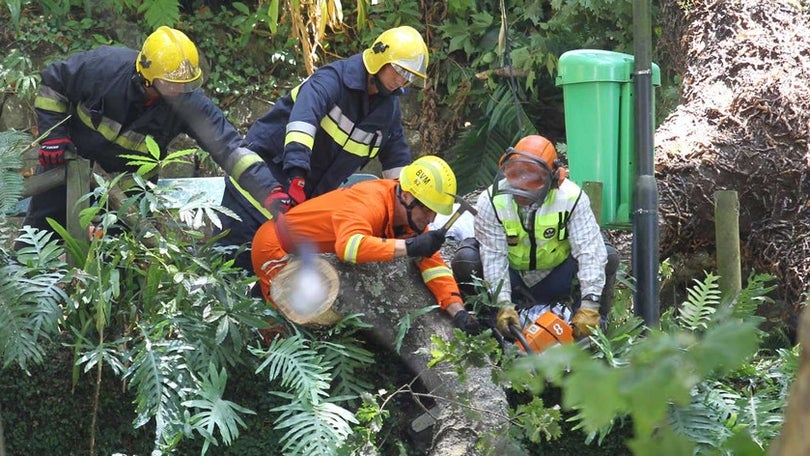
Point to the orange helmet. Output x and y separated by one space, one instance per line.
531 168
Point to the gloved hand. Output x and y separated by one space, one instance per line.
466 322
425 244
296 190
52 152
507 316
278 201
585 319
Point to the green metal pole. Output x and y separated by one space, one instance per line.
645 210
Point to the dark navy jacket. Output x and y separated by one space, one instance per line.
103 93
328 127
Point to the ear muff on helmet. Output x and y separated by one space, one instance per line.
531 169
466 264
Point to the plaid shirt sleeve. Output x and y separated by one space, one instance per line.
494 250
587 247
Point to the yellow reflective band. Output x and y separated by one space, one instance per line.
251 200
302 138
435 273
352 248
294 91
50 104
333 130
244 163
361 150
109 130
337 130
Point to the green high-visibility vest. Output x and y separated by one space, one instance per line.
547 245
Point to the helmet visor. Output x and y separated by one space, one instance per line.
524 177
410 77
172 88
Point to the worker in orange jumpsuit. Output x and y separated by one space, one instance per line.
376 220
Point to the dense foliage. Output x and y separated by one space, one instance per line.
154 309
480 52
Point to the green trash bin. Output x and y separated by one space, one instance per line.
598 99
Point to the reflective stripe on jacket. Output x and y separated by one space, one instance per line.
354 223
329 127
102 92
547 245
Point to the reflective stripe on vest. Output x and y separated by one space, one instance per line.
550 229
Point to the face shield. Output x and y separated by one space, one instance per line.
409 76
170 88
186 78
523 176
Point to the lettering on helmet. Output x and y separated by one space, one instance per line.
145 63
549 233
379 47
422 178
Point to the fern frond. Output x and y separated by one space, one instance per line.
215 412
696 312
161 381
31 301
160 12
346 359
753 295
313 429
11 181
297 366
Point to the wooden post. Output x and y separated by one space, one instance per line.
727 238
594 192
77 176
43 182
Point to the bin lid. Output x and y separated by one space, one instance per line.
596 65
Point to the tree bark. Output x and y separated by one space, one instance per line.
793 439
744 126
388 292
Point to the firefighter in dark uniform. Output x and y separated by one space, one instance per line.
328 127
116 97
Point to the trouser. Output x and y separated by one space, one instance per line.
267 256
239 232
50 203
557 285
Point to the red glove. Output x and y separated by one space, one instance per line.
52 152
277 201
296 190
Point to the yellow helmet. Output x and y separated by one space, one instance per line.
431 181
169 62
402 47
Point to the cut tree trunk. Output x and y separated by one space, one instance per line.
743 126
388 292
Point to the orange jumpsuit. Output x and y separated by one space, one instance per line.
356 224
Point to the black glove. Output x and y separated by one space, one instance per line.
426 244
52 152
464 321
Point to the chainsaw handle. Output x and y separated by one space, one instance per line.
518 334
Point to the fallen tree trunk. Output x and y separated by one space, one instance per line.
388 292
743 126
